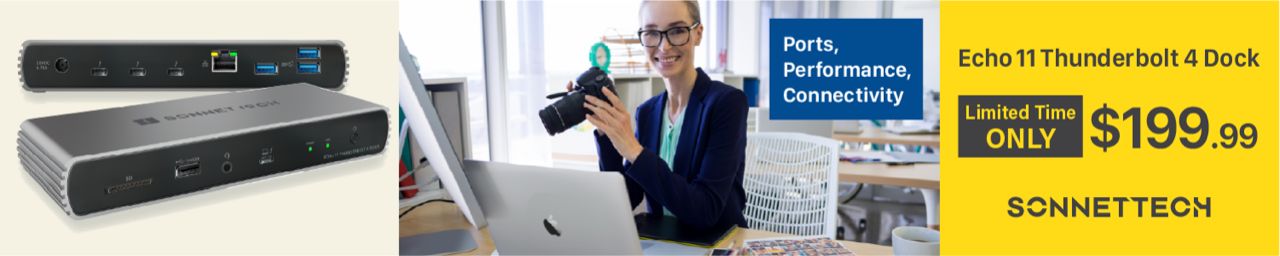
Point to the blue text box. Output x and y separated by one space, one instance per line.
834 61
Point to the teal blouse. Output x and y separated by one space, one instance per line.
670 137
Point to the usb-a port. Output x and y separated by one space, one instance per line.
309 53
186 170
309 68
264 69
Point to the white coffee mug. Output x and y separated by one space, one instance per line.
916 241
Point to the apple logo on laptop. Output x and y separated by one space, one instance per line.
550 223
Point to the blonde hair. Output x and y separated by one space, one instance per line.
689 4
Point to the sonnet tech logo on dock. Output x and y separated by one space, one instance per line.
202 113
152 120
146 121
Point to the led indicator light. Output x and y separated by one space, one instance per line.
308 149
233 54
326 145
215 54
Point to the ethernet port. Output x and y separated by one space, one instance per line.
224 61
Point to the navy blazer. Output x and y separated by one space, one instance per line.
705 187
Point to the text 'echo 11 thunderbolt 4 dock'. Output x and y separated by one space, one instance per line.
100 161
60 65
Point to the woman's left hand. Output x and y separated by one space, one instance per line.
615 122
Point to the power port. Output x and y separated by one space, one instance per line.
224 61
354 138
61 65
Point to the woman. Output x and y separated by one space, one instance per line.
687 155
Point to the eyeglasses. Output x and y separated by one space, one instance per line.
677 36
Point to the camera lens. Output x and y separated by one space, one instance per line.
565 113
551 120
568 111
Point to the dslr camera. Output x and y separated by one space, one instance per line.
568 111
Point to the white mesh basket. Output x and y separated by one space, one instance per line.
791 183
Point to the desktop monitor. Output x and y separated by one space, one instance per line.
429 133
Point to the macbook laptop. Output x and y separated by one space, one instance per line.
544 211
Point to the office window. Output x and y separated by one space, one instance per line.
928 11
447 39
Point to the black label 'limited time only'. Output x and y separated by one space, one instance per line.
1020 126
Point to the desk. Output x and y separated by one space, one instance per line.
875 135
918 175
440 216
